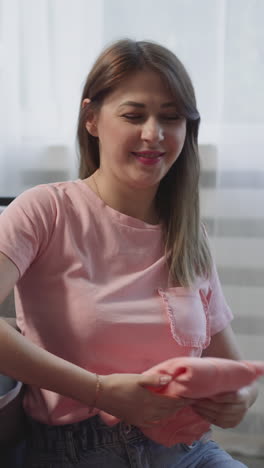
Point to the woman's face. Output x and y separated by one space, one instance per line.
140 131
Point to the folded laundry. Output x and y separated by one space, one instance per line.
194 378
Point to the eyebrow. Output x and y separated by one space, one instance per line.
142 106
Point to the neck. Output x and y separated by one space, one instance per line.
133 202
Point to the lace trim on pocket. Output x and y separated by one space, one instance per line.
183 338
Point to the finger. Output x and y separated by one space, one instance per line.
217 399
209 405
155 380
214 418
207 414
225 408
232 397
221 419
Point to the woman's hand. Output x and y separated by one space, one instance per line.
227 409
124 396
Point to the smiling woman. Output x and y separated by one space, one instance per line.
137 98
114 275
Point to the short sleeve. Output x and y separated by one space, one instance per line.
219 312
26 226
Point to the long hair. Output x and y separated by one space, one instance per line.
177 200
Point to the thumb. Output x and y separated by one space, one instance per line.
155 380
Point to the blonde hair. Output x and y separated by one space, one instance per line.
177 200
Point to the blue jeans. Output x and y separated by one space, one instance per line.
91 443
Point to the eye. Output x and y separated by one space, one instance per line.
132 116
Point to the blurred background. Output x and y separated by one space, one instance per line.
46 50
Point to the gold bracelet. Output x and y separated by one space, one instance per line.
98 390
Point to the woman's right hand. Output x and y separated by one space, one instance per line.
124 396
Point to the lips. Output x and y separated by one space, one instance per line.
148 158
148 154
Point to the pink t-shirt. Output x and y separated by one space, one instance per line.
94 290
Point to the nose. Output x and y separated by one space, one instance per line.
152 131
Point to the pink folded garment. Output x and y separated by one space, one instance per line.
193 378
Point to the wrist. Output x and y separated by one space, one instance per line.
97 391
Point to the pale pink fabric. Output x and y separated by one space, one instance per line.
94 290
194 378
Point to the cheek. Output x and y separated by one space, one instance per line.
176 140
116 136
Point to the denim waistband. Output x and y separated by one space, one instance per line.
93 443
85 435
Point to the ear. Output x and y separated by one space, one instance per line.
90 123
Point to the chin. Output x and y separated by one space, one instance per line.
145 184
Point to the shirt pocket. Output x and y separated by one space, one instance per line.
187 311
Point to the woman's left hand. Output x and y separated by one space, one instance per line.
227 409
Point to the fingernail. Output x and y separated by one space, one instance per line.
165 379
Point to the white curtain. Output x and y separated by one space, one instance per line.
46 50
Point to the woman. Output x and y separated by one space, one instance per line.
106 270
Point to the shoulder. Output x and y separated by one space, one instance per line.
43 198
48 192
40 209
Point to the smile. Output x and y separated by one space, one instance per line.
148 154
148 158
